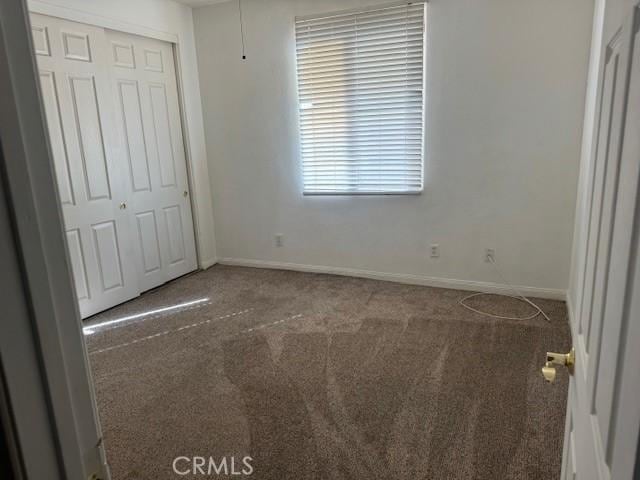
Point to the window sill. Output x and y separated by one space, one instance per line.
359 194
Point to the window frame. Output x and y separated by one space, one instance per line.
423 121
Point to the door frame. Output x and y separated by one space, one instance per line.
197 196
48 396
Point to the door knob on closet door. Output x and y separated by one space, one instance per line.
123 205
566 359
185 193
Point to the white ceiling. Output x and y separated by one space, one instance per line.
200 3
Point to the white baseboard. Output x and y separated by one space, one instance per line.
576 340
204 264
399 278
571 317
570 310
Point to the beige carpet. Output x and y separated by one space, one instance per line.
327 377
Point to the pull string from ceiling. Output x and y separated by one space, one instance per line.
244 57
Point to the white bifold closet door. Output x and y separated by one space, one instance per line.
112 111
74 79
146 101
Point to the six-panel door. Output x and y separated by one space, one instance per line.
146 100
597 444
113 116
75 89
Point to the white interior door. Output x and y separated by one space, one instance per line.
111 102
146 98
603 412
73 71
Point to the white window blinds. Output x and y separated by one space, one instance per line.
360 86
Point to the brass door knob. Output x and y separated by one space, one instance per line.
549 372
566 359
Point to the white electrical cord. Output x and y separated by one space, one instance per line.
519 296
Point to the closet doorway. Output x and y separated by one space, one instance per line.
112 109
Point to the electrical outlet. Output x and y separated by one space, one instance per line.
279 240
490 255
435 250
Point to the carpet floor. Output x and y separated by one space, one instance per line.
326 377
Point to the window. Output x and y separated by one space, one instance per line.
360 86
